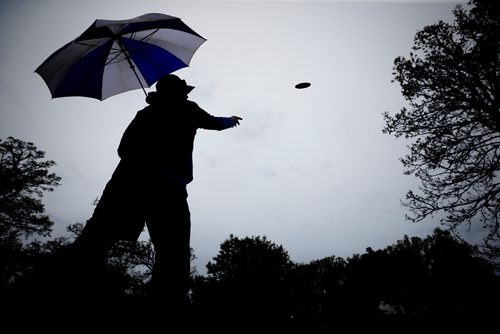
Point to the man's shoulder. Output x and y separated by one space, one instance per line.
144 111
142 115
192 104
195 108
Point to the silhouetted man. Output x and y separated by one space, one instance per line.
149 187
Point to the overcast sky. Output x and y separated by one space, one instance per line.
310 169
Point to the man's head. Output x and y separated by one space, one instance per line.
171 84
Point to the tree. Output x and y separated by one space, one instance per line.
451 82
245 284
317 292
249 259
436 282
24 176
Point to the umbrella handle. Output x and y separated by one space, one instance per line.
132 66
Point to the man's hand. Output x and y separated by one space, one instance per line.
236 120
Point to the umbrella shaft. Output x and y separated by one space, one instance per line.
131 65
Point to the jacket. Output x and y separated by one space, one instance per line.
160 139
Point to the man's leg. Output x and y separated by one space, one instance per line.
169 227
116 217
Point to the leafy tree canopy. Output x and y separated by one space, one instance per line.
451 82
249 259
24 176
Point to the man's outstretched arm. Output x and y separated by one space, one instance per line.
210 122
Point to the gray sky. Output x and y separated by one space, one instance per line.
310 169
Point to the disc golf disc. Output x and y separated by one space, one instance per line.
302 85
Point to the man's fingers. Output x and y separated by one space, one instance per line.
236 119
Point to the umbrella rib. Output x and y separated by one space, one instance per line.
116 53
122 51
145 38
87 44
148 36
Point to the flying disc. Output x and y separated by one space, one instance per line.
302 85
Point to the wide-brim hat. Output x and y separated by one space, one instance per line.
172 83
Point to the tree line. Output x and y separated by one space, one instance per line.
416 283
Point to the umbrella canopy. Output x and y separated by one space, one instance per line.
115 56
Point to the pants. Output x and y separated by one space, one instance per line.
128 203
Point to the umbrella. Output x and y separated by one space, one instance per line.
115 56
